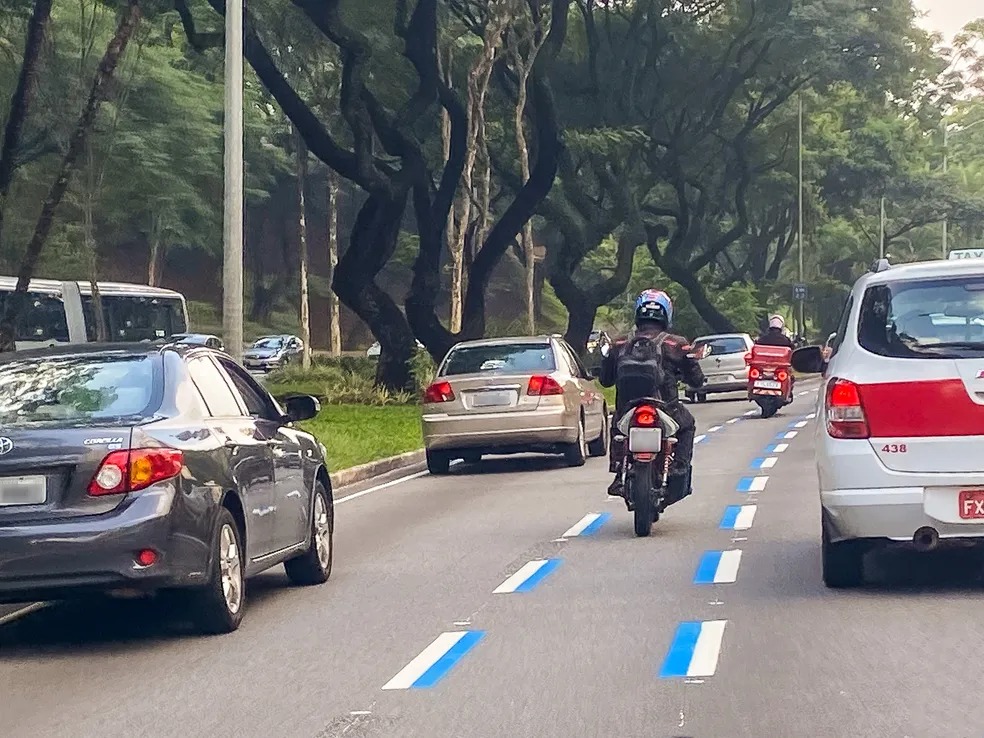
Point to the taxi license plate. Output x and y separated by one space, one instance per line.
768 384
971 504
23 491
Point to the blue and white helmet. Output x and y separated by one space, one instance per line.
654 305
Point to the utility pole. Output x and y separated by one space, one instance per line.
232 221
802 316
946 157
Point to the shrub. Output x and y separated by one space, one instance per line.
335 385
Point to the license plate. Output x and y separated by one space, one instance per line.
971 504
645 440
492 399
768 384
23 491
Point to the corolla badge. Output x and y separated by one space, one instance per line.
6 446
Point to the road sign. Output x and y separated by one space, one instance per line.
799 292
966 254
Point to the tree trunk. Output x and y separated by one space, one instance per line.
91 253
301 155
156 261
76 146
682 275
580 322
373 241
20 101
334 313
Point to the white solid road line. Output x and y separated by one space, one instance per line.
378 487
705 659
22 612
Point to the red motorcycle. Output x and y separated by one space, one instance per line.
770 377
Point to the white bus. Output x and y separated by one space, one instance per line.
62 312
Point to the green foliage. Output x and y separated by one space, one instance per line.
334 385
357 434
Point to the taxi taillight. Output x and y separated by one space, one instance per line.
845 414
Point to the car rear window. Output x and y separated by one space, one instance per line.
78 390
925 319
516 357
719 346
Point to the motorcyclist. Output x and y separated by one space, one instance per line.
653 318
775 334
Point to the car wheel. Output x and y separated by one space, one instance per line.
702 397
314 565
219 606
577 453
842 563
691 397
437 462
599 446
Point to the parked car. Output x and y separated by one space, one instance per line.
148 468
375 350
272 352
901 415
724 364
199 339
509 396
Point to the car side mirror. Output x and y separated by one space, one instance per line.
809 360
301 407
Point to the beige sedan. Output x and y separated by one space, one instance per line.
512 396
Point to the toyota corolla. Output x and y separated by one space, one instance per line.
155 468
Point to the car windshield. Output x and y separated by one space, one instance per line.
724 345
926 319
77 390
269 343
516 357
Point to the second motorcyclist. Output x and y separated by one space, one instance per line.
672 362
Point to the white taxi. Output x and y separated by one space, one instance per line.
900 437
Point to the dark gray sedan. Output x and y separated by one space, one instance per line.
155 468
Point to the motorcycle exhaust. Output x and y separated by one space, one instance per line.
926 539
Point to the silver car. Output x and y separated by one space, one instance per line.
724 364
513 395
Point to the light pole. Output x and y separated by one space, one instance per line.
799 237
946 161
232 220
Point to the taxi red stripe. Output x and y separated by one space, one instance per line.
921 409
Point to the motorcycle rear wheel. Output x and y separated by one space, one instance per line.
640 491
769 407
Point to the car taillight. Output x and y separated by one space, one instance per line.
748 359
782 375
134 470
845 414
754 372
543 385
644 415
439 392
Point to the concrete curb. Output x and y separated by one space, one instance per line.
347 477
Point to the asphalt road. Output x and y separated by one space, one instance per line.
609 636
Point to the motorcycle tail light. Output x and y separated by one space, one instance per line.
754 373
644 415
782 375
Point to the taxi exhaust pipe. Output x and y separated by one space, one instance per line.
926 539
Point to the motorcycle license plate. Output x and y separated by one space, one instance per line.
645 440
768 384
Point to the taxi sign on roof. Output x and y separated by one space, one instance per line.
966 254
